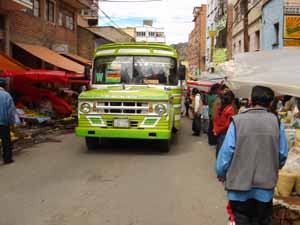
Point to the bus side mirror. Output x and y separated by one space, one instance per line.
182 72
87 72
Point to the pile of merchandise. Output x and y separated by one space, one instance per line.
287 192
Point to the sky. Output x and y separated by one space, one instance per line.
174 15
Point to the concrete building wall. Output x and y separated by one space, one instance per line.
112 33
212 9
254 18
150 34
130 31
272 25
87 46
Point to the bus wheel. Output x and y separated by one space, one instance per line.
174 130
165 146
91 143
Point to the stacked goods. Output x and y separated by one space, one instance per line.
12 137
289 176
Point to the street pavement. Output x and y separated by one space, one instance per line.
123 183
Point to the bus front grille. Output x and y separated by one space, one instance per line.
122 107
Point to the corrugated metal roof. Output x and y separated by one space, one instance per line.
78 58
9 64
52 57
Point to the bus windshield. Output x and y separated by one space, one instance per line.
135 70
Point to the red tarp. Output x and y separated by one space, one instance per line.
49 76
204 85
22 84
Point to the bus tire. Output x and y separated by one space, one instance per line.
91 143
174 130
165 146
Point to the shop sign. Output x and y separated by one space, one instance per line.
60 48
220 55
292 27
212 33
291 43
221 23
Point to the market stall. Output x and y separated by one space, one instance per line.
279 70
45 101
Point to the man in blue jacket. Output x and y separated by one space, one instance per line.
254 149
7 119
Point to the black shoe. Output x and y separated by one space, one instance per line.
196 134
9 161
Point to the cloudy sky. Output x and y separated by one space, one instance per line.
174 15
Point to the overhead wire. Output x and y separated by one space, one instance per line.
133 1
109 18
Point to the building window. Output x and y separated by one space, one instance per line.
50 11
70 22
152 34
60 19
66 19
234 47
159 34
276 43
141 34
35 11
257 40
240 46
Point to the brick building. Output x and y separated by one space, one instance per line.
197 42
44 23
88 41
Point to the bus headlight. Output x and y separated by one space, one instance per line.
85 108
160 109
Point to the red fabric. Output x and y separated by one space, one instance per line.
230 212
47 76
222 120
34 95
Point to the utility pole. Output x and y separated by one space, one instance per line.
229 25
212 35
244 8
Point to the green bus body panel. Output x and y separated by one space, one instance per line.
162 128
143 93
123 133
162 124
132 45
130 93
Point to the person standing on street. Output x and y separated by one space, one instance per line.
7 119
212 95
254 149
223 118
197 110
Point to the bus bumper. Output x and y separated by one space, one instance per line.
123 133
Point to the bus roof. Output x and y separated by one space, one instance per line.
134 48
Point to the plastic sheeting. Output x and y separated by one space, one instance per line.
278 69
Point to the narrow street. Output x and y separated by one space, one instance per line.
122 184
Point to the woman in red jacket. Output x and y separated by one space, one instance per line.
223 118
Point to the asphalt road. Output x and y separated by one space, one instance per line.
124 183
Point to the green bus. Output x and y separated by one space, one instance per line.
135 94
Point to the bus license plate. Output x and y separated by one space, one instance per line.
121 123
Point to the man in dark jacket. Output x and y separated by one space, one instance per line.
7 119
254 149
